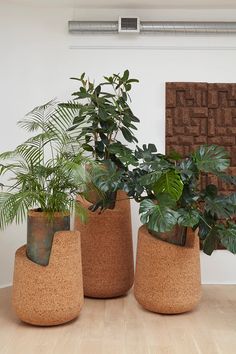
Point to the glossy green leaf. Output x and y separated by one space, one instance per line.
170 182
211 158
188 217
227 236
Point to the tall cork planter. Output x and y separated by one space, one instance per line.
107 250
53 294
167 278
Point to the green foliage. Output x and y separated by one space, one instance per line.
171 183
104 123
211 158
225 233
44 172
168 190
227 236
188 217
221 206
103 115
159 216
210 242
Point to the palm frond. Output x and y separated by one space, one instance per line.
38 117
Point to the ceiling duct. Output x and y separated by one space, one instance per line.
150 26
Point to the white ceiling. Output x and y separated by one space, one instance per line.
144 4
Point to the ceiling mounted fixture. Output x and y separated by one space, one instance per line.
134 25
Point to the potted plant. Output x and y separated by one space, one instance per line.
104 117
174 209
44 177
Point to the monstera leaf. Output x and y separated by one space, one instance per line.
221 206
188 217
150 178
159 217
171 183
227 236
211 158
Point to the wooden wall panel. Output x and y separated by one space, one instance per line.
186 116
201 113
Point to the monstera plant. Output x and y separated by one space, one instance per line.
103 121
171 198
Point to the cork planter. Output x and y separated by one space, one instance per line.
107 250
53 294
167 278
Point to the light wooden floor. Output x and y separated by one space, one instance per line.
121 326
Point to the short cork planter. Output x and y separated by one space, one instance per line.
167 278
107 250
53 294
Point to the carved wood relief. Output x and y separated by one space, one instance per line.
201 113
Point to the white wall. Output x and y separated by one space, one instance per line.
37 57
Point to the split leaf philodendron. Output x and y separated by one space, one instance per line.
169 191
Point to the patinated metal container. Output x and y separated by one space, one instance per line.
177 235
40 233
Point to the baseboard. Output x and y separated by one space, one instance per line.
5 286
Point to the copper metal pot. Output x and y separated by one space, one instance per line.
40 233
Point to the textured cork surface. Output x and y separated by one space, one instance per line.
50 295
107 250
167 278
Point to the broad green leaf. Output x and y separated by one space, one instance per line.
188 217
127 134
210 242
150 178
159 217
206 222
170 182
211 158
221 206
146 208
125 75
227 236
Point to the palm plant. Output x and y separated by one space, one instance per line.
46 172
170 196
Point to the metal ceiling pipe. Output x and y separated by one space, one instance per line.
188 27
93 26
154 27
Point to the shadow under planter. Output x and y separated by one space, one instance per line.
53 294
167 278
107 250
